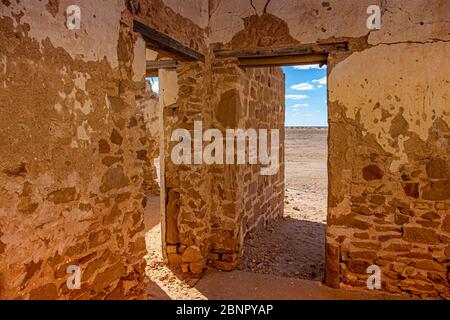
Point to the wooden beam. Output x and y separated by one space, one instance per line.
307 49
162 64
284 61
157 40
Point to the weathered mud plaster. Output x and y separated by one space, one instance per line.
413 21
71 180
306 21
403 86
389 142
96 39
195 10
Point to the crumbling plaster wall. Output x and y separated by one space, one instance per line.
75 145
389 201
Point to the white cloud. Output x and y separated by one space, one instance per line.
303 87
155 86
322 81
309 67
320 86
154 83
300 105
308 115
296 97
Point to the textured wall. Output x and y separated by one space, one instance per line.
389 121
75 146
261 197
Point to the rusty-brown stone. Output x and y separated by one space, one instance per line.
358 266
411 189
192 254
437 190
172 212
103 146
438 169
228 108
332 266
116 137
446 224
372 172
421 235
62 196
114 179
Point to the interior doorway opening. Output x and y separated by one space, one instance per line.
294 246
152 179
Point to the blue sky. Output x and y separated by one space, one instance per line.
306 96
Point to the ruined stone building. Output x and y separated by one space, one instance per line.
79 131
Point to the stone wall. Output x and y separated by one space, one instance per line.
389 122
75 146
261 197
393 209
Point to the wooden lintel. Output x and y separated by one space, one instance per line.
157 40
162 64
284 61
307 49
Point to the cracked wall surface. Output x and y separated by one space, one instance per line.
72 170
388 118
72 166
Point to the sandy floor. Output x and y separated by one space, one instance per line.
285 262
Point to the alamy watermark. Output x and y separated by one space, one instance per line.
374 280
236 146
73 16
374 20
74 280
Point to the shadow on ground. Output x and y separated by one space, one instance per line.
290 248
